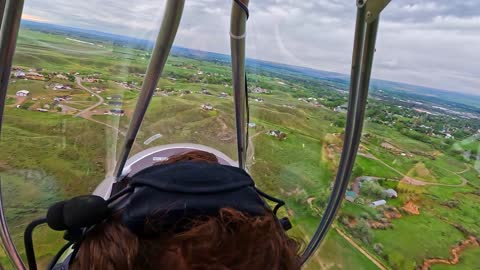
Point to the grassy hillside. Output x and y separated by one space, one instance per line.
48 156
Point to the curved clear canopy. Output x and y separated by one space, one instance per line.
81 70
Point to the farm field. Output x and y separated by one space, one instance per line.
58 143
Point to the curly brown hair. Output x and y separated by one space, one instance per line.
229 241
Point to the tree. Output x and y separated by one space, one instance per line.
362 231
372 188
357 171
322 199
340 122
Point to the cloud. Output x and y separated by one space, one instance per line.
29 17
423 7
433 43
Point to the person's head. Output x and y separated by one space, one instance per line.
231 240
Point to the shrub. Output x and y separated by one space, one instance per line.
378 248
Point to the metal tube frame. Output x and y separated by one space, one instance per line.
168 30
2 9
10 24
363 53
238 25
11 13
364 48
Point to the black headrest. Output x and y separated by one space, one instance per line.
185 190
193 177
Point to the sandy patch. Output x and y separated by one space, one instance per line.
411 208
456 251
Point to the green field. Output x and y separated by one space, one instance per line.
48 156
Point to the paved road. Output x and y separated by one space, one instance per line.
78 80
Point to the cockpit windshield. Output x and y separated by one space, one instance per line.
80 67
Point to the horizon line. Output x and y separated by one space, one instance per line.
262 60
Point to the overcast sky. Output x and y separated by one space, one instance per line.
425 42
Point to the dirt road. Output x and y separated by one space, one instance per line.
78 80
359 248
412 181
251 149
86 113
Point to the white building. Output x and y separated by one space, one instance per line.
23 93
207 107
59 86
378 203
260 90
391 193
449 136
19 74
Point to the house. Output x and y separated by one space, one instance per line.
391 193
22 93
206 92
342 108
351 196
91 80
125 85
19 74
61 77
259 99
117 112
116 97
378 203
59 86
207 107
42 110
223 95
274 133
277 134
62 98
35 76
260 90
115 103
252 125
